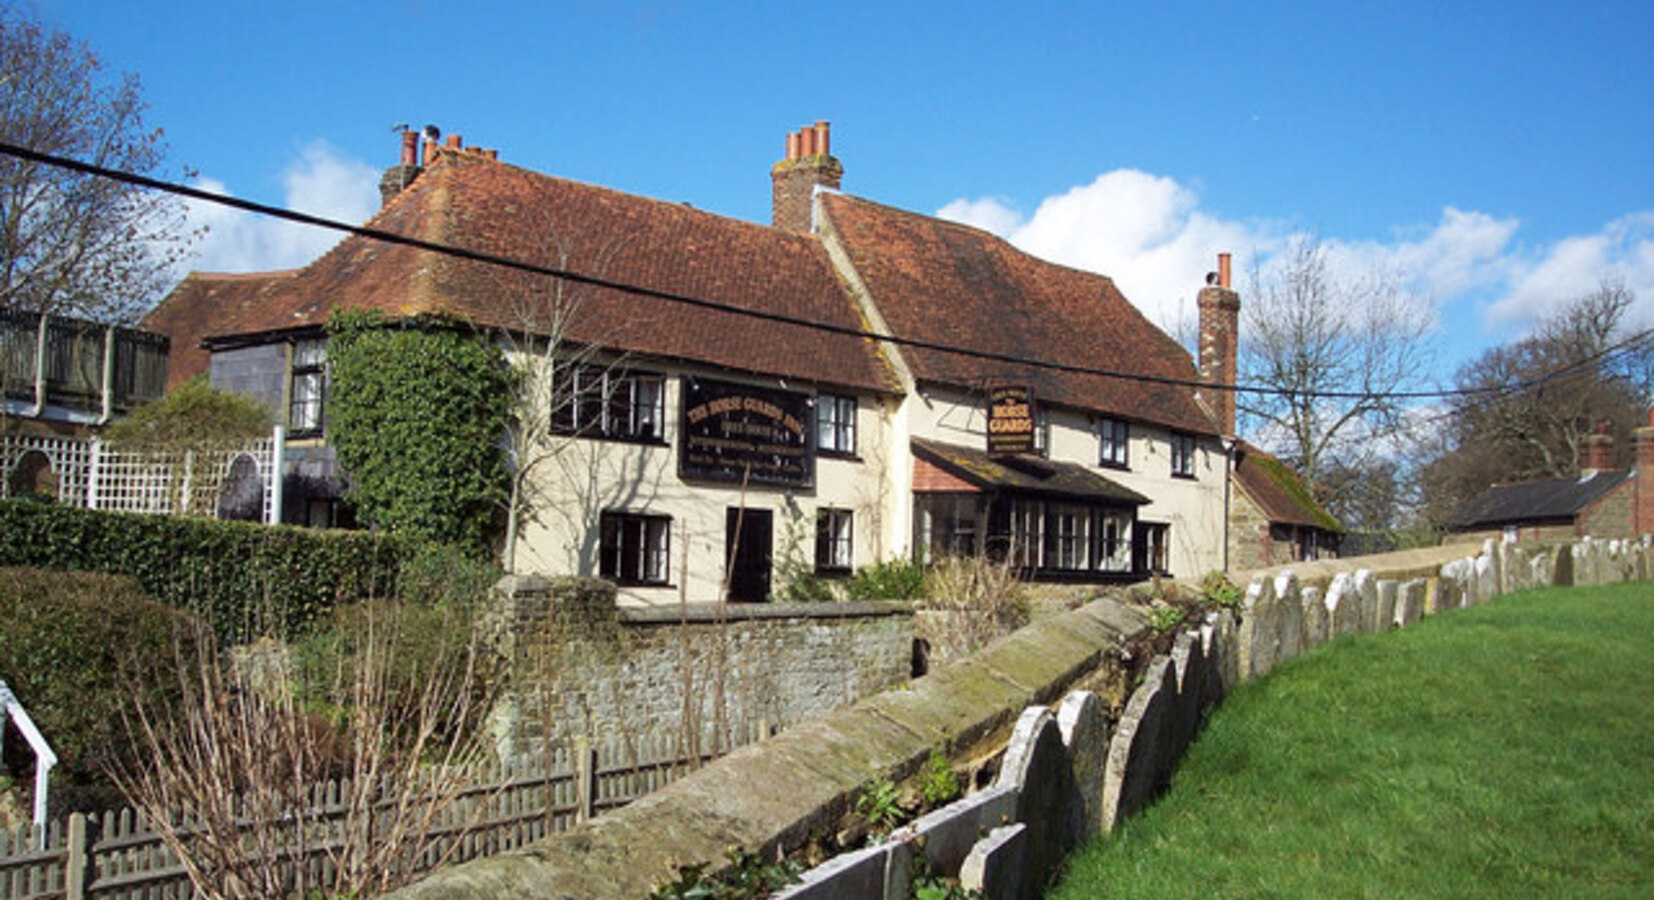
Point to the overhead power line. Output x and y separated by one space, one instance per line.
391 237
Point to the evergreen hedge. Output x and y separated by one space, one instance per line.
244 579
73 647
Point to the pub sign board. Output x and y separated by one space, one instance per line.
1010 420
732 432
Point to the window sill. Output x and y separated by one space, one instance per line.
612 439
837 454
1117 467
1182 477
834 573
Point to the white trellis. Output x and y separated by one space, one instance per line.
93 475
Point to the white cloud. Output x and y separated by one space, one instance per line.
1622 251
1147 232
1144 231
319 181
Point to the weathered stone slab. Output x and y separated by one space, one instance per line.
1384 611
1289 596
1137 769
1084 731
1219 639
1562 566
856 875
1485 580
999 866
1047 803
1365 585
1315 617
1260 629
1410 602
947 834
1188 667
1343 606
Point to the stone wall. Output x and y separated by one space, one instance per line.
1097 768
582 667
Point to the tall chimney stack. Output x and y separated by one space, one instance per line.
793 180
1596 451
399 176
1219 343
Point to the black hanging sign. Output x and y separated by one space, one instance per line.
732 432
1010 419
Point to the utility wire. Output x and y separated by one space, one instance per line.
391 237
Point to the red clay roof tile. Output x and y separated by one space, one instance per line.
942 282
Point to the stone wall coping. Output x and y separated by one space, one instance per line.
700 613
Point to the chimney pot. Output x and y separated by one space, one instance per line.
1223 270
806 142
792 145
410 149
455 142
821 131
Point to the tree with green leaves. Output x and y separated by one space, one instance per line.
73 243
416 411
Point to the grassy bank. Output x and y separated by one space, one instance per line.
1500 751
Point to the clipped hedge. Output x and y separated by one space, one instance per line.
245 579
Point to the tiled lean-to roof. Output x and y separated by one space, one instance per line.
1279 491
491 207
952 284
1023 474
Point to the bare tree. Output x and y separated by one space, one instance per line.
1580 372
1312 333
559 381
235 771
69 242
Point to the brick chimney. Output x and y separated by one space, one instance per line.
794 179
1219 338
1596 451
1643 513
399 176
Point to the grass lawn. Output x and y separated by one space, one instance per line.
1501 751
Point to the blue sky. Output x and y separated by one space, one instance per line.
1499 158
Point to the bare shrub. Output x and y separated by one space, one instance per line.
969 601
237 782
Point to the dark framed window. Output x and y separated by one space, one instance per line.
836 424
307 391
1156 538
635 549
1113 444
835 531
1068 537
616 404
1183 455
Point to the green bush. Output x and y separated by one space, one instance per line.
244 579
896 579
74 646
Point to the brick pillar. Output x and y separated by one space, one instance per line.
794 179
1642 516
1219 342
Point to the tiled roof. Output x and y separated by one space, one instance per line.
203 301
1530 501
1279 491
502 210
1026 474
947 283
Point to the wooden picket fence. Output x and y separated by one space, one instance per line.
117 855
